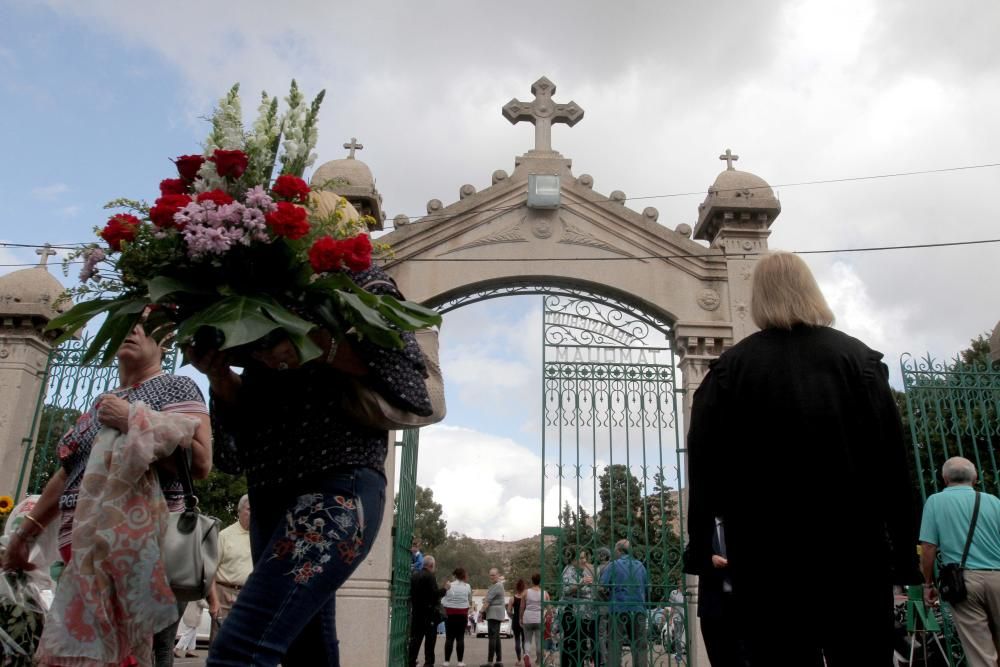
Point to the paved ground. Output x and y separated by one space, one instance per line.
475 653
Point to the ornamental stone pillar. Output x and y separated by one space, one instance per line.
29 299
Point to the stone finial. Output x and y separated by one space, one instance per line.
352 146
730 159
44 253
684 230
650 213
466 190
542 112
400 220
499 175
586 180
618 197
434 205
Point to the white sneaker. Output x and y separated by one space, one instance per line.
444 664
461 664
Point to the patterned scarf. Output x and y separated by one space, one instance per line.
114 594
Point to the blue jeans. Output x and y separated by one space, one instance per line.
304 547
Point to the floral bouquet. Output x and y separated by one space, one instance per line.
228 255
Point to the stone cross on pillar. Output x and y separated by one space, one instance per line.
542 112
352 146
45 252
730 159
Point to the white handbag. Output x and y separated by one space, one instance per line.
190 548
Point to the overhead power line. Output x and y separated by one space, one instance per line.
823 251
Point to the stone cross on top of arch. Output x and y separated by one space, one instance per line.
352 146
44 253
730 159
542 112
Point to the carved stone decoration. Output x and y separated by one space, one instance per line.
401 220
542 112
618 197
741 309
434 205
709 299
513 234
684 230
573 235
746 273
466 190
586 180
541 227
650 213
499 175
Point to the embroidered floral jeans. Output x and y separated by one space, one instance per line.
304 547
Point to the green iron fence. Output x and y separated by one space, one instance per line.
399 618
69 389
952 411
611 484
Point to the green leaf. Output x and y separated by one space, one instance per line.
77 317
240 319
368 322
407 315
111 335
297 328
162 286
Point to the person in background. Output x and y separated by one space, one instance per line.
417 556
577 617
514 611
800 400
627 583
235 564
494 610
187 630
600 596
457 604
944 530
531 620
425 600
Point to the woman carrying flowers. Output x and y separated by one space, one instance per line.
316 481
274 278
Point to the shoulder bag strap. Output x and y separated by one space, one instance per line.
184 475
972 529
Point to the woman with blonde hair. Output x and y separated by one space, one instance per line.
795 443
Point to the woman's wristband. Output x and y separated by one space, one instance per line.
41 526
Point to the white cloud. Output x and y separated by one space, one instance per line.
49 192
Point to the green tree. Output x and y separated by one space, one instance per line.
621 512
219 494
428 523
462 551
54 422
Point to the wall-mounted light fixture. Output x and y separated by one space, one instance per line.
543 191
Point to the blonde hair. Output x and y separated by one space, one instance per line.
786 294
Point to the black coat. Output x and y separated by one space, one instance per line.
425 596
796 443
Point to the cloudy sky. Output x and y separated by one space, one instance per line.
97 96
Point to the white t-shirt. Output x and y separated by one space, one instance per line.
459 596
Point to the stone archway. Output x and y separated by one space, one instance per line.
542 225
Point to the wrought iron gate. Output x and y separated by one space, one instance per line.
612 490
69 389
953 409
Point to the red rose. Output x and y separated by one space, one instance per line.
173 186
162 213
358 253
326 254
188 166
121 227
288 220
218 196
291 188
229 163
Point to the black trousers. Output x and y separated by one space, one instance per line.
722 641
422 629
454 633
493 646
